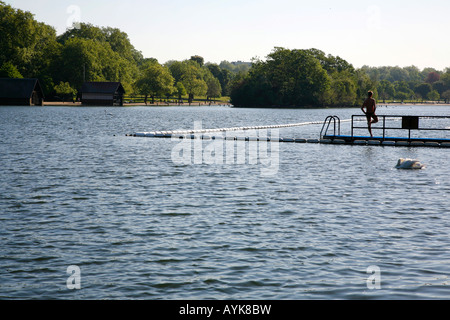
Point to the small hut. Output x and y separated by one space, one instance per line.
102 94
21 92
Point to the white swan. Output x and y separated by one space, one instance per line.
409 164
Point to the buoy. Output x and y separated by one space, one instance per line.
431 144
409 164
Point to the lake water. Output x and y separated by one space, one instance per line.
330 222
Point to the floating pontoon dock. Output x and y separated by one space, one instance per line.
387 123
409 124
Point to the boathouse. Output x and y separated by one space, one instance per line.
21 92
102 94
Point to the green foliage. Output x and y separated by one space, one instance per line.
180 90
298 78
214 88
433 95
88 53
8 70
224 76
423 90
446 95
155 80
90 60
403 91
98 54
32 49
199 60
64 90
386 90
192 80
445 78
25 43
235 68
409 82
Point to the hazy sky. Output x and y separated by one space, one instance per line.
375 33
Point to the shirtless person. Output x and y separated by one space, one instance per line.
371 107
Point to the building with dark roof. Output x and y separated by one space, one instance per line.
21 92
102 94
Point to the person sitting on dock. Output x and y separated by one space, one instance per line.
371 107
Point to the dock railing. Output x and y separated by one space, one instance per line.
408 123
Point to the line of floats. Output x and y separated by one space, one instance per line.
334 141
336 138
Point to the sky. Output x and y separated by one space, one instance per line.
373 33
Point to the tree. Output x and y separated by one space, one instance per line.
433 95
385 90
330 63
155 80
223 75
214 88
439 86
402 90
177 69
235 67
29 46
445 78
8 70
97 54
180 90
286 78
432 77
199 60
423 89
192 80
413 74
65 90
90 60
117 40
446 96
364 84
342 91
398 74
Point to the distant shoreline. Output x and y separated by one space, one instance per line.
157 104
218 103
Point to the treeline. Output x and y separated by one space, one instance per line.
300 78
410 83
62 63
312 78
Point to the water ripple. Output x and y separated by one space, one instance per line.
76 191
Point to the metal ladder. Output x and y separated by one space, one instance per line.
336 122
